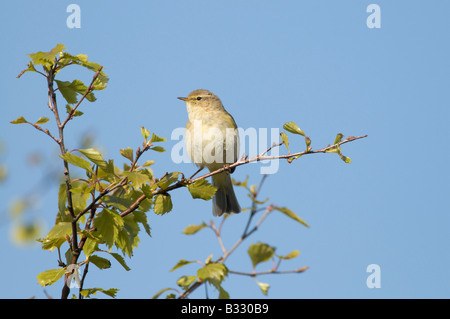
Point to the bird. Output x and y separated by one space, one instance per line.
212 141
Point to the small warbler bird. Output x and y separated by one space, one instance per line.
212 141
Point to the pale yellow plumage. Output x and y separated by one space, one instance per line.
212 141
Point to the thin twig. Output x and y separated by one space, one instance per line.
89 90
268 272
183 183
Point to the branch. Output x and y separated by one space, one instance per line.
240 162
89 90
268 272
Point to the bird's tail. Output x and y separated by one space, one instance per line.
224 200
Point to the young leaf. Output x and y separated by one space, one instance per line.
185 281
264 287
145 133
159 293
181 263
69 109
51 276
214 273
127 153
77 161
192 229
69 91
285 140
158 149
121 261
291 214
120 203
168 180
163 204
141 217
95 157
345 158
293 128
101 263
156 138
308 143
47 57
19 120
93 291
148 163
338 138
202 189
42 120
137 178
291 255
108 224
90 246
223 294
62 199
260 252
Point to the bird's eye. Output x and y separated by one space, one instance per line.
199 98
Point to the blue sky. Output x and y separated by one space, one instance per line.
312 62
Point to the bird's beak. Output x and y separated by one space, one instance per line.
182 98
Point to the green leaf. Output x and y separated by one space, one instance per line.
264 287
90 246
291 214
42 120
145 133
141 217
259 202
127 153
137 178
62 199
70 90
338 138
93 291
81 193
185 281
45 58
308 143
60 230
128 239
181 263
260 252
121 261
19 120
168 180
285 140
148 163
192 229
291 255
202 189
293 128
239 183
69 109
345 158
95 157
51 276
120 203
156 138
101 263
214 273
159 293
77 161
223 294
158 149
108 224
163 204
